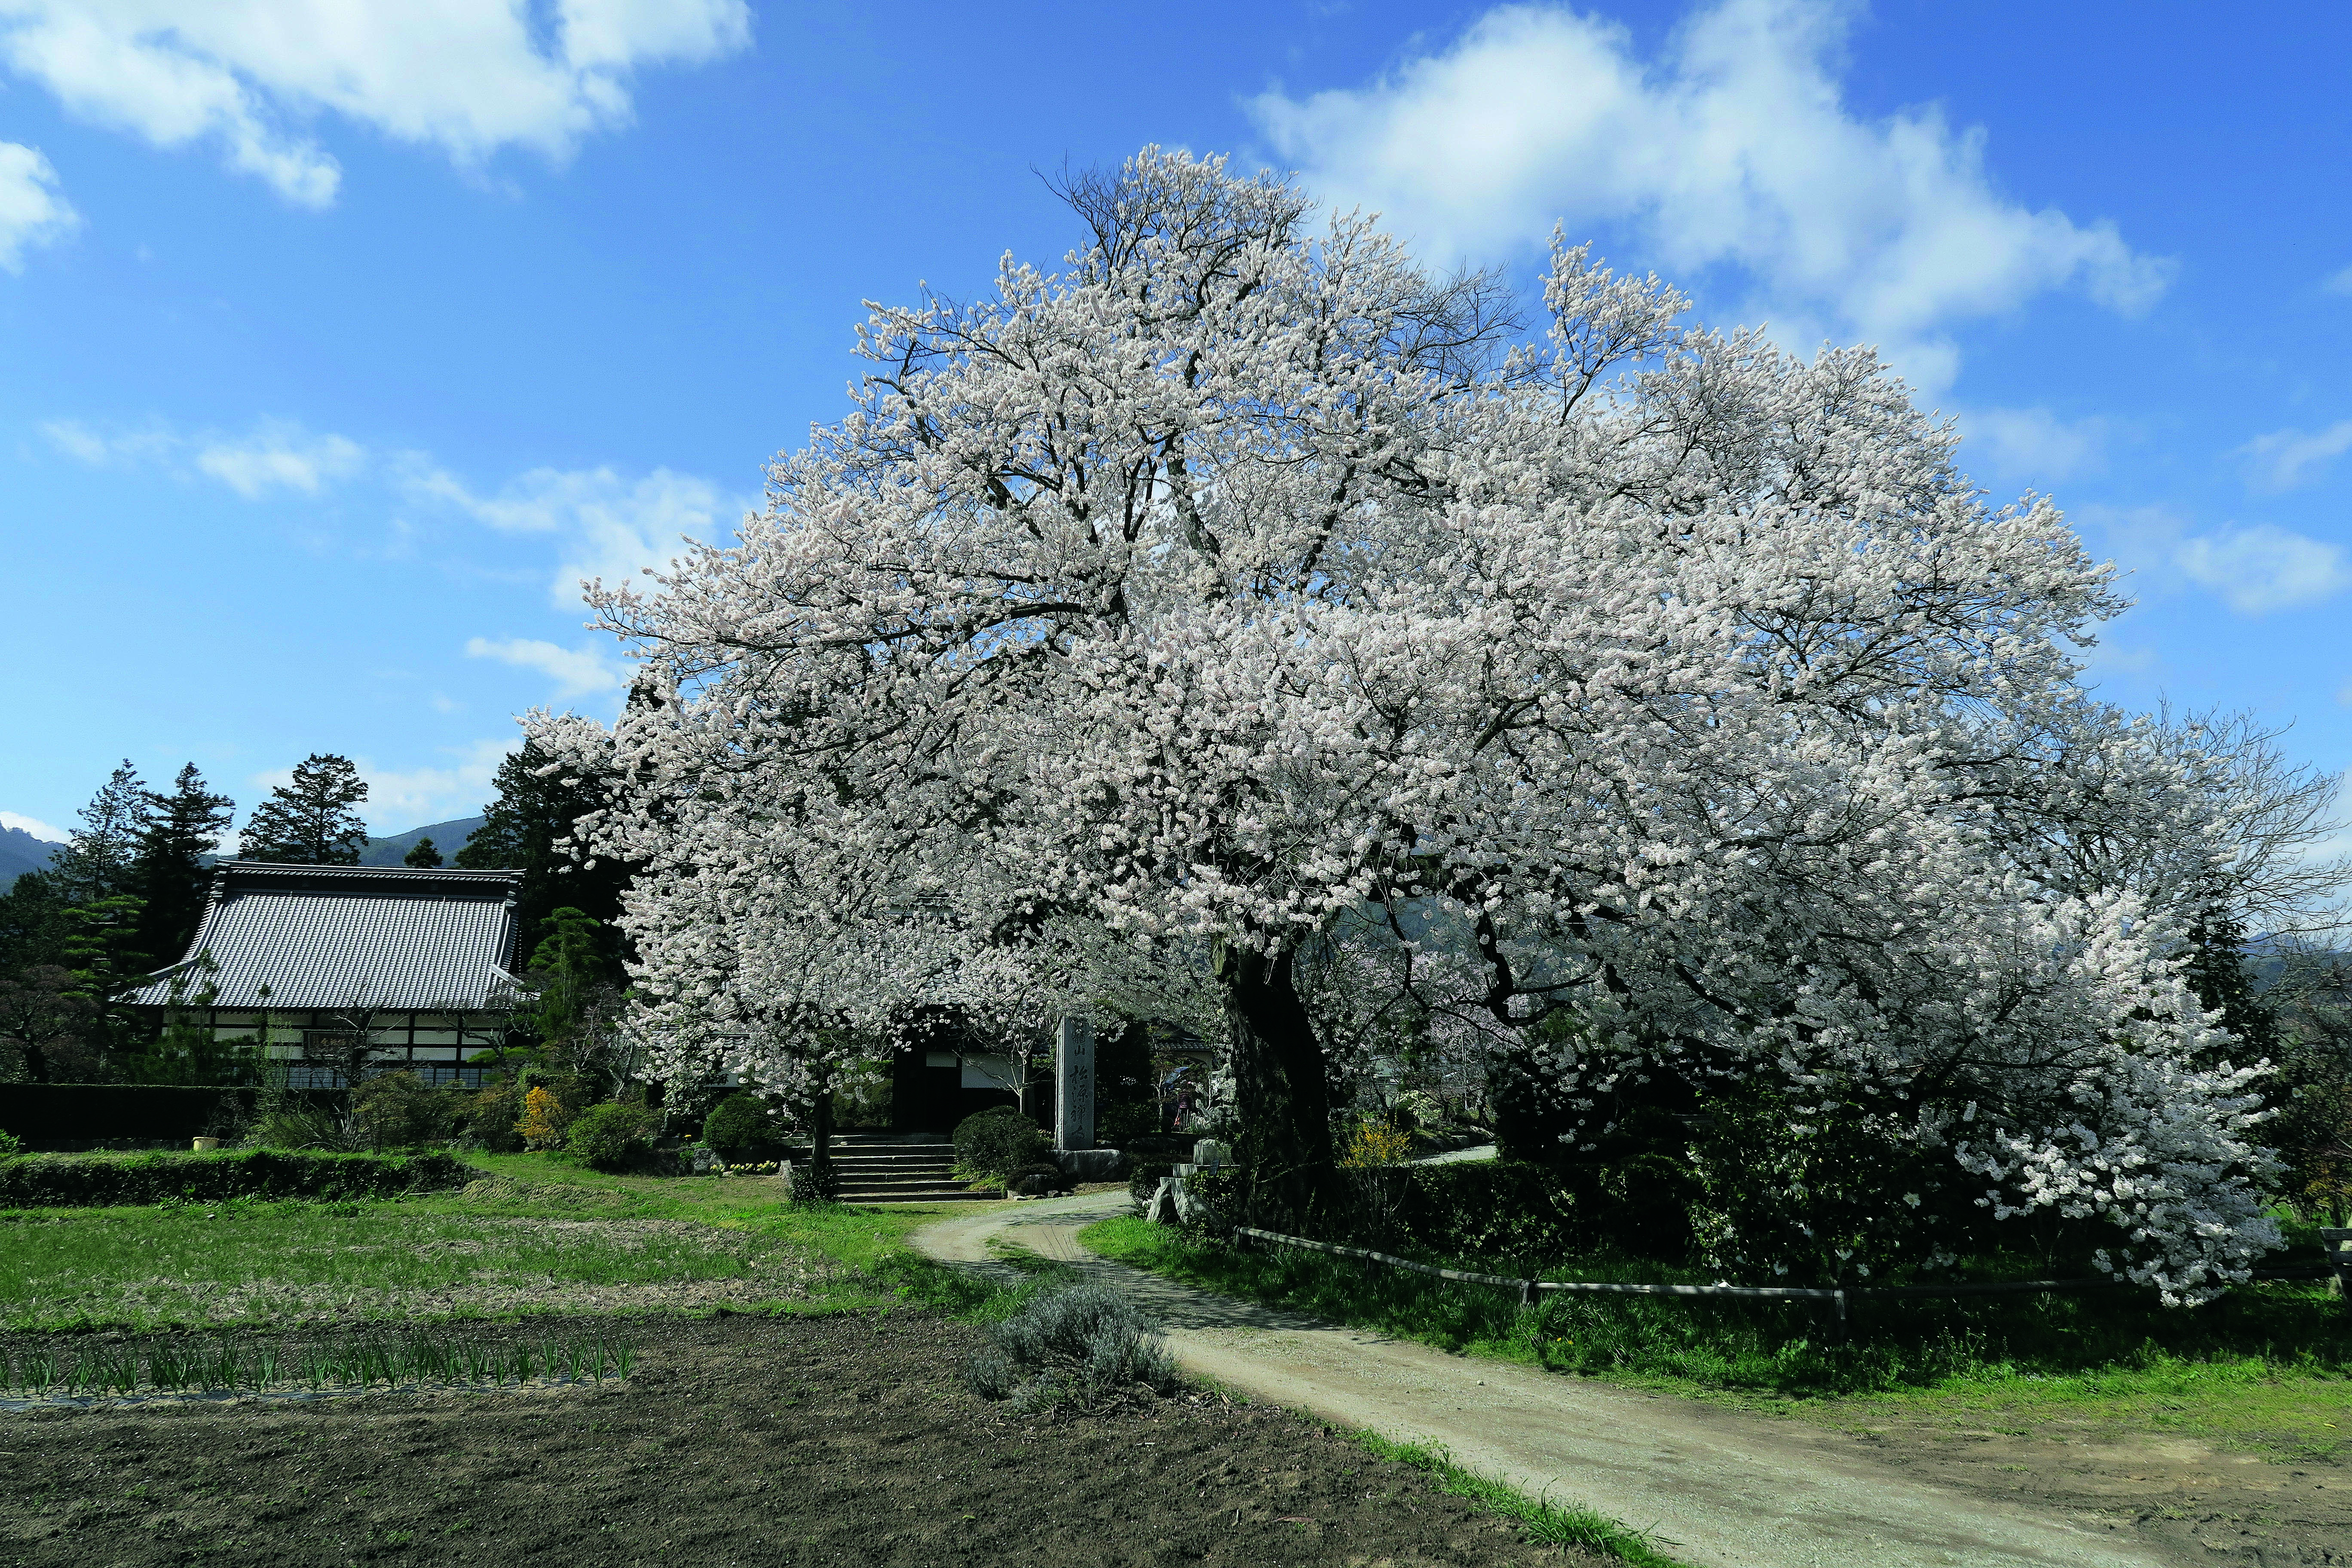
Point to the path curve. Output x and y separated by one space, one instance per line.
1719 1489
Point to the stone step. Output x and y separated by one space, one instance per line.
943 1194
891 1184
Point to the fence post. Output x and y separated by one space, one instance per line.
1842 1331
1527 1294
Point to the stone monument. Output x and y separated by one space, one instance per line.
1074 1085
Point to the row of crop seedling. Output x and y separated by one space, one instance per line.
228 1366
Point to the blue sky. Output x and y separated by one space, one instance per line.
341 340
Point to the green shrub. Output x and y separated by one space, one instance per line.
1124 1121
489 1117
1143 1178
302 1124
1080 1345
36 1181
736 1123
400 1110
999 1141
10 1144
611 1137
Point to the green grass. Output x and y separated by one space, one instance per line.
536 1235
105 1367
2264 1369
1543 1520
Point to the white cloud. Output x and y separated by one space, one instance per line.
275 454
1734 147
2285 459
2339 283
576 672
77 440
469 77
34 825
606 526
2034 445
429 794
2264 568
31 211
280 455
615 528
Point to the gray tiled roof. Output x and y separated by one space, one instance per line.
345 936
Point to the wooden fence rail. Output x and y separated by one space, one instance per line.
1530 1288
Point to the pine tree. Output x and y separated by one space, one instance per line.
2217 971
183 830
422 855
106 966
101 857
311 821
522 829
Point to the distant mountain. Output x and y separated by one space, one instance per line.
21 852
448 838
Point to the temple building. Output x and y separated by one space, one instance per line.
307 959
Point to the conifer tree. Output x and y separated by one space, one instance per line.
423 854
183 831
528 828
101 857
311 821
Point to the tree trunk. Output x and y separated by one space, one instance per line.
821 1183
1283 1146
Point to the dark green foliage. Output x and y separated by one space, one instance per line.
52 1113
487 1118
33 923
1143 1178
738 1122
90 1180
525 829
182 829
421 855
101 953
570 966
2217 971
999 1141
309 822
401 1111
609 1137
100 858
1079 1345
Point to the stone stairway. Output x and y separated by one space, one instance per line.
872 1171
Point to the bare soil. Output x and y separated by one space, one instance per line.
791 1442
2192 1501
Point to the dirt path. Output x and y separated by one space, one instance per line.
1719 1489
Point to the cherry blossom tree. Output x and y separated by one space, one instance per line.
1241 585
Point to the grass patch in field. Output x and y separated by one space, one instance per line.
2264 1369
533 1235
96 1368
1545 1521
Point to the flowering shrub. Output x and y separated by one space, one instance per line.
1373 1143
544 1118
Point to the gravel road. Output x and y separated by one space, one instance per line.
1719 1489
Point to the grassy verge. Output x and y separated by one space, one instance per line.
2265 1371
1543 1521
533 1235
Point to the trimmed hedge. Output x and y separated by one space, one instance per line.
86 1112
94 1180
1516 1213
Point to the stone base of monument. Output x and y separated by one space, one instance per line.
1091 1164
